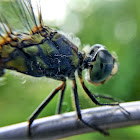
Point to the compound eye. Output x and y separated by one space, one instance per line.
101 67
95 48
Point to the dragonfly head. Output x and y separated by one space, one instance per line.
102 66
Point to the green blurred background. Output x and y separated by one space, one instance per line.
113 23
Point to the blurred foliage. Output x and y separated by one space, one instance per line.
113 23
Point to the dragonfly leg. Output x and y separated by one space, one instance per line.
106 97
79 111
92 97
60 100
42 106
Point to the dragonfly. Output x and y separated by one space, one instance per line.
44 51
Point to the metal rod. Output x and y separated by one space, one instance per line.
60 126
